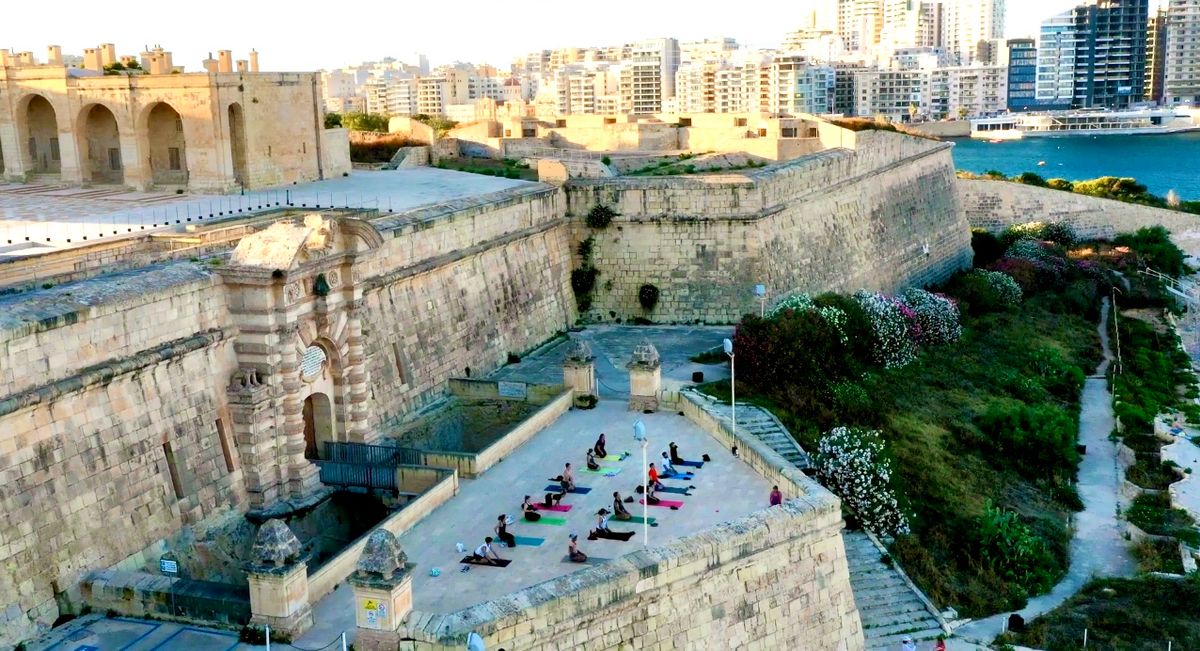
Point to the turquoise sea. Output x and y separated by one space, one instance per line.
1161 163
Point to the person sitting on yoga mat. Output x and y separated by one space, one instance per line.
530 513
675 458
601 521
568 479
573 552
650 497
601 450
619 510
654 483
502 533
667 469
485 550
591 461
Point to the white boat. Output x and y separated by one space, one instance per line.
1015 126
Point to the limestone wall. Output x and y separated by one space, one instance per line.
777 579
996 205
881 215
459 286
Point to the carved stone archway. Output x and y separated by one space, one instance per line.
293 286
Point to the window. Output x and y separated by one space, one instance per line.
179 124
762 133
560 124
739 122
226 447
610 120
114 159
685 122
175 482
173 156
54 155
789 132
528 133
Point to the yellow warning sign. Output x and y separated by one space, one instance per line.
370 604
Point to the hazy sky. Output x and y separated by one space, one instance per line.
289 36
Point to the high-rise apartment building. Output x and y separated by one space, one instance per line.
796 85
1022 74
965 23
1156 56
1181 84
1094 56
648 76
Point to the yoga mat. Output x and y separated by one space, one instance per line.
557 522
470 560
673 489
637 519
607 471
578 490
667 503
681 477
623 536
694 464
614 457
561 508
529 541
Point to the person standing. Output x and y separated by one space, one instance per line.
776 496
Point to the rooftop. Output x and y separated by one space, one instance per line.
40 217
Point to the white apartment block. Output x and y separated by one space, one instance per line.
696 87
647 77
795 85
967 22
1182 76
931 93
897 94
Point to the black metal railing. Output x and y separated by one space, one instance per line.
372 455
336 473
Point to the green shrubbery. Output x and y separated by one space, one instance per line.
1106 187
1152 513
1037 441
1010 550
1155 249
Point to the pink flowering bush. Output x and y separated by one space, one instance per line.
894 329
936 315
851 461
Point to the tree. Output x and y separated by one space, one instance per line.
962 112
365 122
333 120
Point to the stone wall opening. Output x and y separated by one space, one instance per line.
168 148
237 142
41 129
101 146
318 424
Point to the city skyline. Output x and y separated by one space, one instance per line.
293 42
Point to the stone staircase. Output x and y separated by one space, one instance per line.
887 604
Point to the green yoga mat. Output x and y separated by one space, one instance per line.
638 520
613 457
550 520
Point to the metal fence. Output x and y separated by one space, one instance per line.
372 455
335 473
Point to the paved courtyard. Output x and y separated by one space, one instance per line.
34 217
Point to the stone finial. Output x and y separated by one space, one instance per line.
645 355
580 352
382 557
275 545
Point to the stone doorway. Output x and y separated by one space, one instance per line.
101 146
168 149
318 424
41 125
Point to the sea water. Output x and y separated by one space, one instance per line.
1161 163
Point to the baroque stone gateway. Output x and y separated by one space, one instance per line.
138 403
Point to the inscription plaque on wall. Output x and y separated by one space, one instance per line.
512 389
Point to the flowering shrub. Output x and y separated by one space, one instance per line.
936 315
803 302
1007 291
1057 232
893 326
851 462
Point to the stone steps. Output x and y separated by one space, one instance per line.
887 605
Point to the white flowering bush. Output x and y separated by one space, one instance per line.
1004 289
803 302
936 315
851 462
893 327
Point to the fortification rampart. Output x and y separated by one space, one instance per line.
880 214
996 205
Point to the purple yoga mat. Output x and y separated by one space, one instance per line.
667 503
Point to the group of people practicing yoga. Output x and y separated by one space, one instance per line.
486 554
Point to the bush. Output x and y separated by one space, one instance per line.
936 316
365 122
600 216
583 281
1153 514
1029 178
1154 247
606 160
851 461
1060 184
1150 472
1036 441
802 302
893 327
1009 548
333 120
987 247
648 297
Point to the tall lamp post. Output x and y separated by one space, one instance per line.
761 292
639 435
732 392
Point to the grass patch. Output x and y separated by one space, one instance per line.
1150 472
1140 614
504 168
1154 378
711 356
1153 514
1158 556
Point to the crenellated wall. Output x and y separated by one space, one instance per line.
881 213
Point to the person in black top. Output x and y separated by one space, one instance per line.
600 449
502 533
619 510
530 513
675 458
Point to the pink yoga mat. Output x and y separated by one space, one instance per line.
561 508
667 503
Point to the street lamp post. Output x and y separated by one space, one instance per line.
761 292
732 391
639 435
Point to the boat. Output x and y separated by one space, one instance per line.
1058 124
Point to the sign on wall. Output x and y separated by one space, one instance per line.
168 566
374 613
512 389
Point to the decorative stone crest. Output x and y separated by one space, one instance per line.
292 293
382 558
645 355
580 352
333 278
275 546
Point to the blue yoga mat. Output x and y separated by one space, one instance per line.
694 464
578 490
687 476
529 541
673 489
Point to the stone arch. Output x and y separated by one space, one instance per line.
237 141
38 129
100 145
320 425
163 126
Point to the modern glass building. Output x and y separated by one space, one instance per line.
1022 74
1094 56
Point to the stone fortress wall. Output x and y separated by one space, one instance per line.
121 416
880 212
